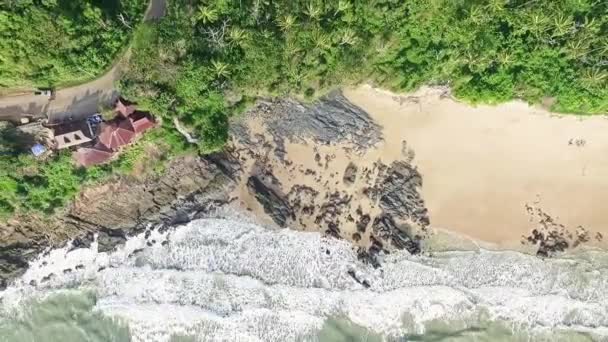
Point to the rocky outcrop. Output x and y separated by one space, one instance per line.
189 188
330 120
393 201
273 200
193 186
350 174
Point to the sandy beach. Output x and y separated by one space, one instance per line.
492 172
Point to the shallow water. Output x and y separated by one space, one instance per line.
232 280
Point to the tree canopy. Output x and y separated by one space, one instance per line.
555 51
53 42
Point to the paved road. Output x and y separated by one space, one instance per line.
75 102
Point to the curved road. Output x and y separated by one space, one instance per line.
76 102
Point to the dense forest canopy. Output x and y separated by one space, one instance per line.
206 58
55 42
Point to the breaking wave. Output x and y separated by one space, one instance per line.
229 279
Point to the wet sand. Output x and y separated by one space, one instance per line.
318 167
488 171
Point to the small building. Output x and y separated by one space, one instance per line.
116 133
111 135
97 154
68 135
141 121
124 107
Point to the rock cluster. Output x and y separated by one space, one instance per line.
551 236
190 187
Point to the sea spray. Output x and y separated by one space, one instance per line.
229 279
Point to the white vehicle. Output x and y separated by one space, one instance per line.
46 93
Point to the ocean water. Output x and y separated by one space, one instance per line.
229 279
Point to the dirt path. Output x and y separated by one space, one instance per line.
74 102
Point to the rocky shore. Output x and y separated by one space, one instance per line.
326 166
193 186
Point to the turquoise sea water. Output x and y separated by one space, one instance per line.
69 316
232 280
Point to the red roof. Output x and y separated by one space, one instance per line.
141 121
115 134
87 156
124 108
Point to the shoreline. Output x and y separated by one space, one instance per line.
499 167
336 167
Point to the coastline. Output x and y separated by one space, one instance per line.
291 164
493 172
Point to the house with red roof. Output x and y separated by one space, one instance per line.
97 154
114 134
124 107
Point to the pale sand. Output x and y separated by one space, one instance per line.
482 165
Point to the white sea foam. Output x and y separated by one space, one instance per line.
230 279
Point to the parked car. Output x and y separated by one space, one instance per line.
50 93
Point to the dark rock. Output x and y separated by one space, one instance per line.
363 222
353 274
350 174
109 239
333 230
329 120
385 227
399 194
79 267
83 241
136 252
180 217
273 201
47 277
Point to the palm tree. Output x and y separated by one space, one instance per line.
220 69
313 12
576 49
562 25
238 36
538 24
206 15
349 37
602 47
594 77
287 22
291 48
343 6
320 40
476 15
496 6
505 58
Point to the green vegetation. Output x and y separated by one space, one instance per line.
56 42
29 184
207 59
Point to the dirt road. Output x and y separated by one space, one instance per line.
75 102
